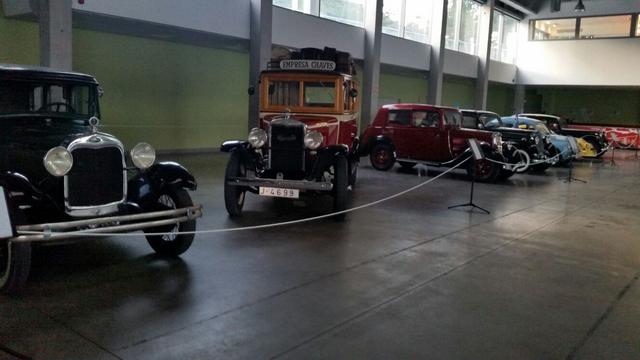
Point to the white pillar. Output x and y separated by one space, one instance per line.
436 68
484 55
260 53
56 50
371 77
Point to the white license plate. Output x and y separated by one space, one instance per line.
279 192
5 222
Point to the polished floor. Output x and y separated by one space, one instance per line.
551 273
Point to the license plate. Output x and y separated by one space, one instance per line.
5 223
279 192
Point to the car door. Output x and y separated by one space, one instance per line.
399 129
430 136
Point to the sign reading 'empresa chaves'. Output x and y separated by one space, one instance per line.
315 65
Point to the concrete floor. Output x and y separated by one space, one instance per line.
550 274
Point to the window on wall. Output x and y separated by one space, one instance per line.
297 5
463 25
554 29
392 17
496 35
638 27
605 26
345 11
410 19
506 52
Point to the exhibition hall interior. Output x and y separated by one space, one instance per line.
326 179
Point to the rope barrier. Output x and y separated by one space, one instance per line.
264 226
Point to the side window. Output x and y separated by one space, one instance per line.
452 118
490 121
425 118
284 93
469 121
399 117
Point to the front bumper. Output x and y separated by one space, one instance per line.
111 224
281 183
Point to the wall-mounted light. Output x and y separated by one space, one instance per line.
579 6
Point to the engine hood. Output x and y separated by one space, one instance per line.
313 122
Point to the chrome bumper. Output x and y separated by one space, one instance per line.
111 224
281 183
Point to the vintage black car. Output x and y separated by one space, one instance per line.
59 174
307 142
558 125
532 147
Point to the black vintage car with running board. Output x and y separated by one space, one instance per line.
59 174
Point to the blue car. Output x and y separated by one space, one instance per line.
567 146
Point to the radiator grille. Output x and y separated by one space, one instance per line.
287 146
96 177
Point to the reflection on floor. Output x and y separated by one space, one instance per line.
550 273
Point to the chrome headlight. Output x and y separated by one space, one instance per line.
143 156
257 138
313 140
496 139
58 161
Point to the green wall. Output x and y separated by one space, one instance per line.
500 98
396 88
458 92
171 95
588 105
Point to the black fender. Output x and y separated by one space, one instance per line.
16 182
366 148
355 149
147 186
229 146
326 157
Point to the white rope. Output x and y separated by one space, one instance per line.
265 226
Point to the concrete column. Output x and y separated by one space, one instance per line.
260 53
519 99
371 77
56 48
436 68
484 55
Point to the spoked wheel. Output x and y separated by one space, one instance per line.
340 187
15 262
172 242
484 170
234 195
382 157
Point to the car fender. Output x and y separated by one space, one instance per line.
384 139
146 187
21 189
229 146
326 157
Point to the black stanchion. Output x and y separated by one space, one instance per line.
478 155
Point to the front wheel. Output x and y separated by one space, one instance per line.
484 170
15 262
172 242
340 187
234 195
382 157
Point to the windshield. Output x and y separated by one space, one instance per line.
60 100
544 130
304 94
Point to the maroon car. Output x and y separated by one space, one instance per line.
416 133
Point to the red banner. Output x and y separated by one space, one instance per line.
621 137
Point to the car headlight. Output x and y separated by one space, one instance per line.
58 161
313 140
257 138
496 139
143 156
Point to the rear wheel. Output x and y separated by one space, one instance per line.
172 243
15 261
234 195
382 157
340 187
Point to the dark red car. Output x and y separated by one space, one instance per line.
416 133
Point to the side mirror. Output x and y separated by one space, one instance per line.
353 93
251 90
100 92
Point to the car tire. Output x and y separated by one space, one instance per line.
234 195
382 157
340 187
484 170
171 243
505 174
15 261
353 172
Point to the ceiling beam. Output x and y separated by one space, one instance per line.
516 5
